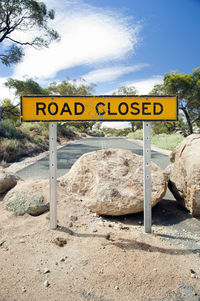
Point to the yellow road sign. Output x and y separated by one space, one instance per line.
99 108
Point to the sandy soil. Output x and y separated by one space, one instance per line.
104 259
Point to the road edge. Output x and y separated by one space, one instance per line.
153 147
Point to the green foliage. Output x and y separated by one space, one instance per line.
24 16
73 88
27 87
187 87
70 88
129 91
112 132
11 131
167 141
36 129
65 131
137 135
164 141
37 139
10 148
12 55
163 127
125 91
9 111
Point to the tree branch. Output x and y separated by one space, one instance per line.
21 43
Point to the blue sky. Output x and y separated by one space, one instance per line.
114 43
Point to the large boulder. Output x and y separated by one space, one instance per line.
110 182
28 197
7 180
184 174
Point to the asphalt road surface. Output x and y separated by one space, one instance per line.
180 228
68 154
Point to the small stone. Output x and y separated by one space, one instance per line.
108 236
193 276
46 271
22 241
62 259
23 289
123 227
70 224
46 283
116 287
94 230
1 243
101 223
140 223
59 241
73 218
38 270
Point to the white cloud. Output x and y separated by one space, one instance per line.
112 73
145 86
88 35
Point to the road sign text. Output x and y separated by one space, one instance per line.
98 108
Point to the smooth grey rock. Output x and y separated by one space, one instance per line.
30 197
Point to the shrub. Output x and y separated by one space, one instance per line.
39 128
138 134
65 131
10 128
167 141
10 149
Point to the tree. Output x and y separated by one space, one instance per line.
129 91
187 87
123 90
9 110
27 87
24 16
72 88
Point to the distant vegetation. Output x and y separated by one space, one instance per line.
164 141
18 140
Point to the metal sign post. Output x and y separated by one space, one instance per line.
147 175
53 174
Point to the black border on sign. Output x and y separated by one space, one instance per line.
96 96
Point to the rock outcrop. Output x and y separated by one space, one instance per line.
110 182
28 197
7 181
184 174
